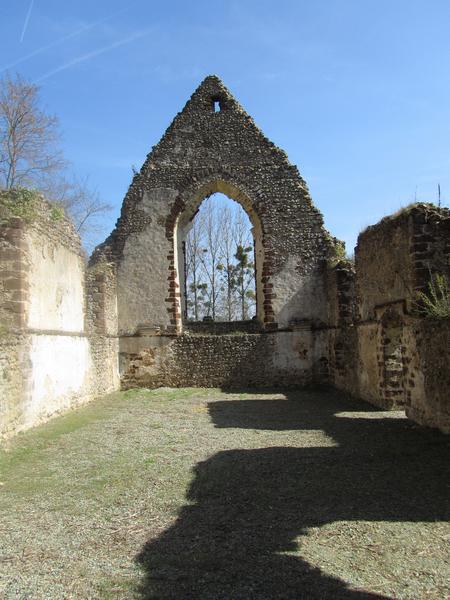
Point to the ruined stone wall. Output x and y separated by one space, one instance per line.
342 334
395 258
429 402
101 309
223 327
389 353
48 360
241 360
204 152
384 265
14 345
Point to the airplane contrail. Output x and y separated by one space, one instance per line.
65 38
92 54
27 18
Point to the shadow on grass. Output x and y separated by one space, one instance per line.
249 506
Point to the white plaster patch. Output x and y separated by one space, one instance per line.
292 350
61 373
297 296
56 295
142 280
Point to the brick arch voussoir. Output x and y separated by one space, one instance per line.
195 188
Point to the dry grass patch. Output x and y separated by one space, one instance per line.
206 494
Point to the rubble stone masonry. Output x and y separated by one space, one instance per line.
51 358
389 352
66 326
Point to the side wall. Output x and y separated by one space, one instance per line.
52 356
430 404
383 349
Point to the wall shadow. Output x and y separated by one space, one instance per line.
247 507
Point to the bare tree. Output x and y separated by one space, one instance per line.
226 267
245 267
83 204
219 264
210 257
194 286
30 157
245 273
29 138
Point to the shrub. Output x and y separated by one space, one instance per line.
336 253
435 302
57 213
20 202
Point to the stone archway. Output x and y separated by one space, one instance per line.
180 221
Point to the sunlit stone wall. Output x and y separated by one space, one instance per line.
50 351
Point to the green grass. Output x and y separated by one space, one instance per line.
195 493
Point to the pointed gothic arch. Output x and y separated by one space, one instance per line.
187 211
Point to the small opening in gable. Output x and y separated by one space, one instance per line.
217 105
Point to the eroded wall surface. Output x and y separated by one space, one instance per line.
239 360
430 403
203 152
53 354
382 346
56 298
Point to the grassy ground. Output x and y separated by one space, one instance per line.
203 494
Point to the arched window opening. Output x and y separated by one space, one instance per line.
219 263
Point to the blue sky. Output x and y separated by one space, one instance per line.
356 91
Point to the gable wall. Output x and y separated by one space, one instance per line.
388 352
204 152
200 153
